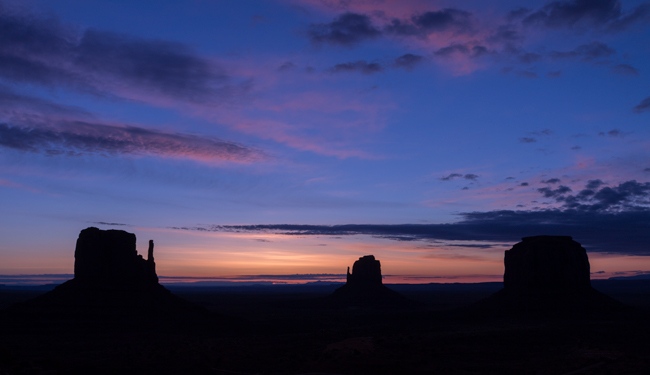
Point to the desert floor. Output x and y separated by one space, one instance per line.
289 330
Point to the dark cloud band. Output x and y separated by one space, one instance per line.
604 14
347 29
360 66
45 52
79 138
612 219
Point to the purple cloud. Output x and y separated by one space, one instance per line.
37 125
625 69
605 14
611 133
348 29
81 138
422 24
643 106
407 61
462 49
45 52
452 176
360 66
555 193
592 217
586 52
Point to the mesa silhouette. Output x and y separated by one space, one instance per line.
364 287
547 276
110 279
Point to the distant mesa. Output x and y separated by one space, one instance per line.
364 286
548 275
110 277
546 264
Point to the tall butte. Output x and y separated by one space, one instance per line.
111 279
364 286
109 259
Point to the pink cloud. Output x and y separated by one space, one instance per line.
37 125
382 8
323 121
287 134
14 185
417 25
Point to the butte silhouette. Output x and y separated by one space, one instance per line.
547 276
364 287
110 279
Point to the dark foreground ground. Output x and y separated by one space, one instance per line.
288 330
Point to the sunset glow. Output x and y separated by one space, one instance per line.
291 137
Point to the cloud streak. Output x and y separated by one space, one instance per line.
436 21
360 66
605 219
408 61
164 74
586 52
82 138
347 29
643 106
605 14
453 176
36 125
45 52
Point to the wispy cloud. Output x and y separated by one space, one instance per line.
643 106
79 138
15 185
161 74
457 49
360 66
603 14
625 69
611 133
466 176
39 126
408 61
558 193
586 52
612 219
347 29
110 224
435 21
461 37
46 52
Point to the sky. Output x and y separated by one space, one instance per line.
290 137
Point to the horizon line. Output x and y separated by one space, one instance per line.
283 279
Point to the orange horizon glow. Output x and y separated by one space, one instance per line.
279 258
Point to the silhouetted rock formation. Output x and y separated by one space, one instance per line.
109 258
545 264
548 275
364 286
111 279
366 272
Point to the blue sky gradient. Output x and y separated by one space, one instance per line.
448 130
